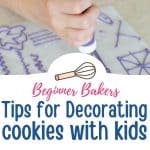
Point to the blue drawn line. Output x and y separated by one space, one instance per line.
140 65
105 19
24 64
42 37
3 66
12 38
37 62
46 41
37 33
96 54
130 36
119 34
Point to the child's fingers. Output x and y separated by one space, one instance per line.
82 21
73 20
78 37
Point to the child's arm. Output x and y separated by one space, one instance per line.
72 20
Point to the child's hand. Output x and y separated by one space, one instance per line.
72 20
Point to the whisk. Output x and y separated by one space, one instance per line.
85 71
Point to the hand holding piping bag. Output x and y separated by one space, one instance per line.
76 20
72 20
90 46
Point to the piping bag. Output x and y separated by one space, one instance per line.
90 46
